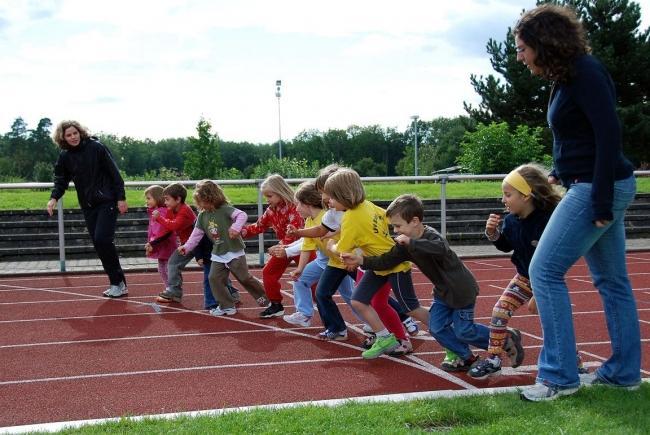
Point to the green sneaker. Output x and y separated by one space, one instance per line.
381 346
449 357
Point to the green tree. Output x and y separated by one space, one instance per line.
493 149
516 97
438 144
287 167
203 159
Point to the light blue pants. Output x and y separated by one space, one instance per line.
569 235
310 276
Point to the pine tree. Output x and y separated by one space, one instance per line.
612 26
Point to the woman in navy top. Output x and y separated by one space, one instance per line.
589 221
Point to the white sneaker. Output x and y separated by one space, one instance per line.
116 291
298 319
540 392
411 326
223 312
367 329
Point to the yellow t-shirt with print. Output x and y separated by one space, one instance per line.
311 244
366 227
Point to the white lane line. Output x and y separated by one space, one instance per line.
175 370
268 327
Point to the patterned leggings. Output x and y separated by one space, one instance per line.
514 296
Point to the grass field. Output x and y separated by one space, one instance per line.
22 199
592 410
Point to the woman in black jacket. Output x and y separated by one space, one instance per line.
100 190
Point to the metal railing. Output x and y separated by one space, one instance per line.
441 179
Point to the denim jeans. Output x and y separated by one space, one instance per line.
302 288
101 222
329 282
569 235
454 329
177 263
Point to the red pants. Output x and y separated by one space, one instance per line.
273 271
386 313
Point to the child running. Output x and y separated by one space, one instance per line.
310 206
455 289
202 254
180 219
280 213
364 226
222 224
530 201
161 243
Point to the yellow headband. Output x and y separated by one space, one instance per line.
515 179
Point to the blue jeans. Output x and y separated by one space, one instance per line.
454 329
330 281
569 235
302 288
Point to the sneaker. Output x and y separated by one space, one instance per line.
591 379
459 364
485 368
513 347
367 329
411 326
404 348
298 319
262 302
542 392
369 341
167 297
449 356
582 370
211 307
274 310
116 291
327 335
223 311
381 346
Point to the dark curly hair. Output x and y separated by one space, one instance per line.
557 36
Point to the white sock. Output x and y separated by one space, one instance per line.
383 333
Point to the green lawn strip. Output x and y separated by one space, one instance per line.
22 199
591 410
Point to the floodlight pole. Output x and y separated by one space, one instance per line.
415 141
278 84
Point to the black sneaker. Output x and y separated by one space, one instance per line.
486 367
513 347
274 310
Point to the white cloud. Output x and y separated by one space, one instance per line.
152 68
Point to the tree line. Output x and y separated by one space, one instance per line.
507 128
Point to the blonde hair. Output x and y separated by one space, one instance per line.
211 193
545 196
59 133
276 184
309 195
156 192
345 187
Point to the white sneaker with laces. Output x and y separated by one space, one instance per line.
116 291
411 326
298 319
591 379
541 392
223 312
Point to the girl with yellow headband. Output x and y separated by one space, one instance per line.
530 200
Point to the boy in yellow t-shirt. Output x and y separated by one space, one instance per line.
364 227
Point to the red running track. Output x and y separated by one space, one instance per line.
69 354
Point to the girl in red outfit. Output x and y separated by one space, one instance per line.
280 213
161 243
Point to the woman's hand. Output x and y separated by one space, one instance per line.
122 206
50 206
601 223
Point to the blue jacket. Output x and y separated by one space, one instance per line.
587 134
521 236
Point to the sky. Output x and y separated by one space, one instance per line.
153 68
